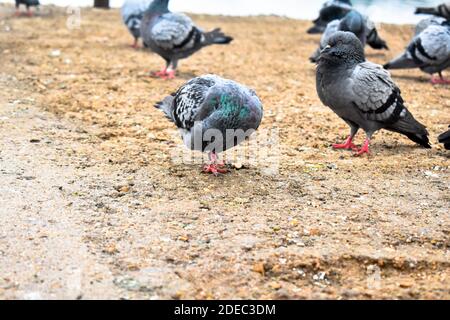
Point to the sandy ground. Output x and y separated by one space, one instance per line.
92 204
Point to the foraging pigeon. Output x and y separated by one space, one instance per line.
425 23
213 115
445 139
28 4
174 36
354 22
331 10
442 10
429 51
132 12
362 93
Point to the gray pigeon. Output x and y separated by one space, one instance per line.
331 10
442 10
213 115
445 139
28 4
174 36
362 93
354 22
429 51
425 23
132 12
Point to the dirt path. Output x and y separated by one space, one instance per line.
92 205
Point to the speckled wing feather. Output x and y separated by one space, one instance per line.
432 46
175 31
189 99
375 94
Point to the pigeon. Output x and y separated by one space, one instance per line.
425 23
445 139
354 22
429 51
28 4
132 12
174 36
213 115
331 10
362 94
442 10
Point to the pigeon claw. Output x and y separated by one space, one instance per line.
363 150
164 74
347 145
439 80
215 169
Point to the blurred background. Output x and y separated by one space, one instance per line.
392 11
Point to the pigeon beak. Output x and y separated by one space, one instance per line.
325 49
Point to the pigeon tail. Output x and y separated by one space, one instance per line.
445 139
411 128
217 37
424 10
375 42
167 106
401 62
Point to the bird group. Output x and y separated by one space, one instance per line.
208 108
362 93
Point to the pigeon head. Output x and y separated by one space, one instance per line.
342 48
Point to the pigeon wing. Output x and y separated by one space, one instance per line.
174 31
375 94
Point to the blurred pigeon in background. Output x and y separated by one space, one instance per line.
445 139
425 23
174 36
362 93
331 10
442 10
28 4
353 22
132 12
207 109
429 51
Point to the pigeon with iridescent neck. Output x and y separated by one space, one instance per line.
173 36
213 115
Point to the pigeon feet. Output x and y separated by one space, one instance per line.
215 169
164 74
363 150
439 80
347 145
